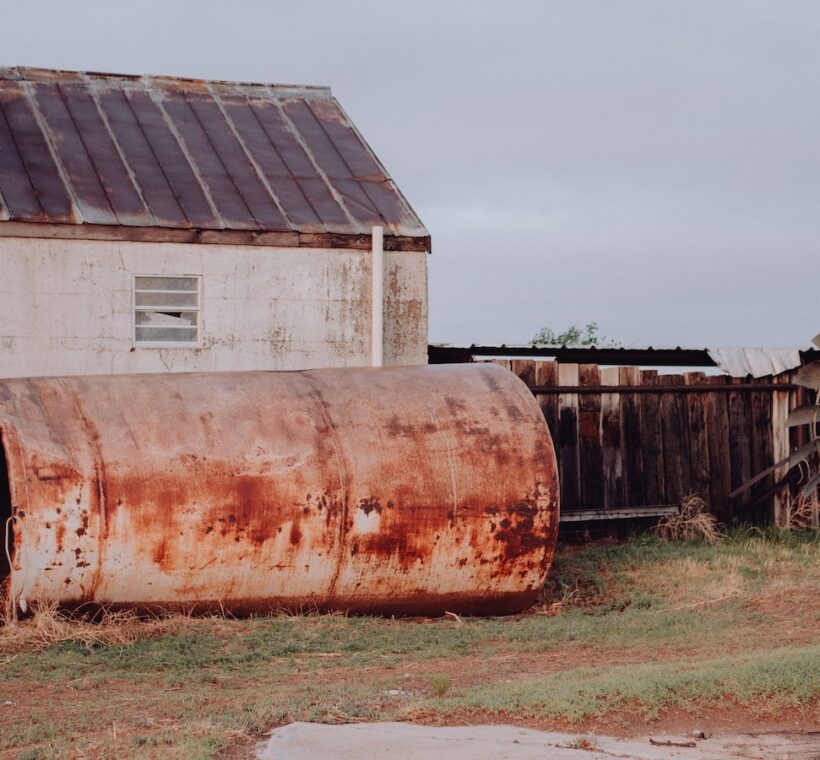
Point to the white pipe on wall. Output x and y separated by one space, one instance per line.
377 298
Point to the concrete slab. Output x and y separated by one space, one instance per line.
354 741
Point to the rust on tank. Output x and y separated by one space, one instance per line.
396 490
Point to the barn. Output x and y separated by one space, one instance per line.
163 224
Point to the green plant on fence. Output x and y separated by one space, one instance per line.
573 336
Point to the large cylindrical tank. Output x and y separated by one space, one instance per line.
406 490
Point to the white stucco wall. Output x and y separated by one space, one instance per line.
66 307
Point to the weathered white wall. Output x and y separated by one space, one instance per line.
66 307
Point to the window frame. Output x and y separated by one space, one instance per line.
166 343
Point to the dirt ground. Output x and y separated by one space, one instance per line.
632 640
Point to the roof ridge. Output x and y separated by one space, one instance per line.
37 73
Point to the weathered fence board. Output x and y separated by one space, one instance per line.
590 451
611 441
568 457
652 439
720 475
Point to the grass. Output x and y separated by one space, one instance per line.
640 627
780 678
440 683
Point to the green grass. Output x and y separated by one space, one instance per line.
781 678
641 625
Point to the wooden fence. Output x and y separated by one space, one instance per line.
626 437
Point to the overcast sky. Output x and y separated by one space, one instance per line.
652 166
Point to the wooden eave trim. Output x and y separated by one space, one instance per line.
221 237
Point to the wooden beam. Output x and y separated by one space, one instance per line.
624 513
665 388
218 237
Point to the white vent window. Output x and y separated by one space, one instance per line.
166 311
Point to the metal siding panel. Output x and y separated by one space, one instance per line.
318 143
88 191
138 152
382 198
358 203
301 168
292 153
291 197
327 207
229 203
348 144
332 163
235 161
392 208
180 173
119 187
254 136
15 184
34 151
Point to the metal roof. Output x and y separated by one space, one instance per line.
82 148
757 362
737 362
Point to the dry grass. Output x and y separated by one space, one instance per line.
49 625
692 522
614 639
440 683
800 512
553 605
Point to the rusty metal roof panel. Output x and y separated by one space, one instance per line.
106 161
36 172
118 150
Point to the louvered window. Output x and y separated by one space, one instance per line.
167 311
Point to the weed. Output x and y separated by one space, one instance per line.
440 683
48 625
800 512
694 521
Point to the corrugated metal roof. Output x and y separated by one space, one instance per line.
757 362
737 362
107 149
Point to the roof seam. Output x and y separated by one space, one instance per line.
330 141
388 178
347 166
34 193
4 209
284 163
336 196
47 139
154 154
92 93
254 165
87 153
215 152
187 156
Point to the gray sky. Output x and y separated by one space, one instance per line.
652 166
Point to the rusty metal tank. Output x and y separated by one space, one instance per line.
406 490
